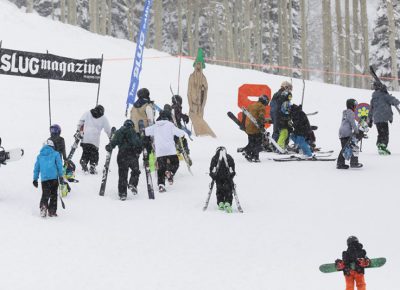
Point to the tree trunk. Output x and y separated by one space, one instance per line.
180 30
29 6
247 32
62 11
290 37
364 16
189 22
271 38
347 45
196 25
158 23
327 43
356 45
103 18
340 40
109 17
72 12
392 44
304 54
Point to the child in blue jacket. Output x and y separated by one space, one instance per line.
49 166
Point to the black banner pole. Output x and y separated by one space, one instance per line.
98 88
48 89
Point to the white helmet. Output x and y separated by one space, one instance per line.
49 142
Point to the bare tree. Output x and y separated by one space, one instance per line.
392 43
158 22
103 17
304 50
364 17
347 45
189 22
356 45
72 12
29 6
109 17
62 11
327 41
340 41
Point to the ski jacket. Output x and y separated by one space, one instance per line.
48 165
59 145
257 110
301 125
381 110
127 140
143 109
92 127
348 126
163 132
225 168
354 251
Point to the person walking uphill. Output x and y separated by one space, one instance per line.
163 132
347 129
92 122
353 262
130 147
222 170
380 114
49 166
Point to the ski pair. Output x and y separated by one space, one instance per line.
106 166
239 207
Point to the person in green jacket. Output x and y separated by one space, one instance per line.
130 146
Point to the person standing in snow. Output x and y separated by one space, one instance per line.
59 142
276 103
163 132
49 166
254 134
130 147
222 171
357 256
92 122
380 114
347 130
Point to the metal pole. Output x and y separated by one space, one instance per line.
302 95
98 88
179 71
49 99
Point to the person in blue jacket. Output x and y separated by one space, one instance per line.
49 166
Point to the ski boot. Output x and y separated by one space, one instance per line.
342 166
228 207
133 189
161 188
43 211
92 169
84 166
248 157
170 177
221 206
382 149
122 196
356 165
53 214
256 159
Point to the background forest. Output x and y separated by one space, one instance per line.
330 40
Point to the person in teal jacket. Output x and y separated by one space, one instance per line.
49 166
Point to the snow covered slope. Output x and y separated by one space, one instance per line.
297 215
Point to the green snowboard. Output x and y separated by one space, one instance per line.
330 268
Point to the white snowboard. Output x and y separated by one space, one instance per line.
14 154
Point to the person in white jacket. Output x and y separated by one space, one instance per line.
91 123
163 132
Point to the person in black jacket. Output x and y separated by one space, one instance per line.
130 146
353 262
222 171
277 100
301 129
59 143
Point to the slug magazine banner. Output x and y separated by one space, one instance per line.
49 66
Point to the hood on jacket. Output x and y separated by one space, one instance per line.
46 150
97 112
141 102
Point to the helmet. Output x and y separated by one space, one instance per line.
49 142
351 104
55 129
220 148
352 240
143 93
129 124
287 86
167 108
100 110
263 99
177 99
164 115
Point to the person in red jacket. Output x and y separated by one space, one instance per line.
353 262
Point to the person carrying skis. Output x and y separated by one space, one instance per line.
222 171
276 103
353 262
348 129
301 129
380 114
92 123
49 166
130 147
163 132
178 118
254 134
59 142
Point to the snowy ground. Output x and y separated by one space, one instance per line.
297 215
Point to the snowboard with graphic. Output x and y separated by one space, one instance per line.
374 263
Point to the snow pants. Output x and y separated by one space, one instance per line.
275 132
49 195
283 136
302 143
127 160
166 163
358 278
90 154
254 146
224 190
340 159
383 133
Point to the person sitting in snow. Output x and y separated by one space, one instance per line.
353 262
49 166
222 171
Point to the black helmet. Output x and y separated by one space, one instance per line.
164 115
167 107
177 99
55 129
263 99
129 124
352 240
98 111
143 93
351 104
220 148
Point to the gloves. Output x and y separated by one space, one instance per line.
232 174
360 135
35 183
370 123
363 262
185 118
108 148
61 180
339 265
